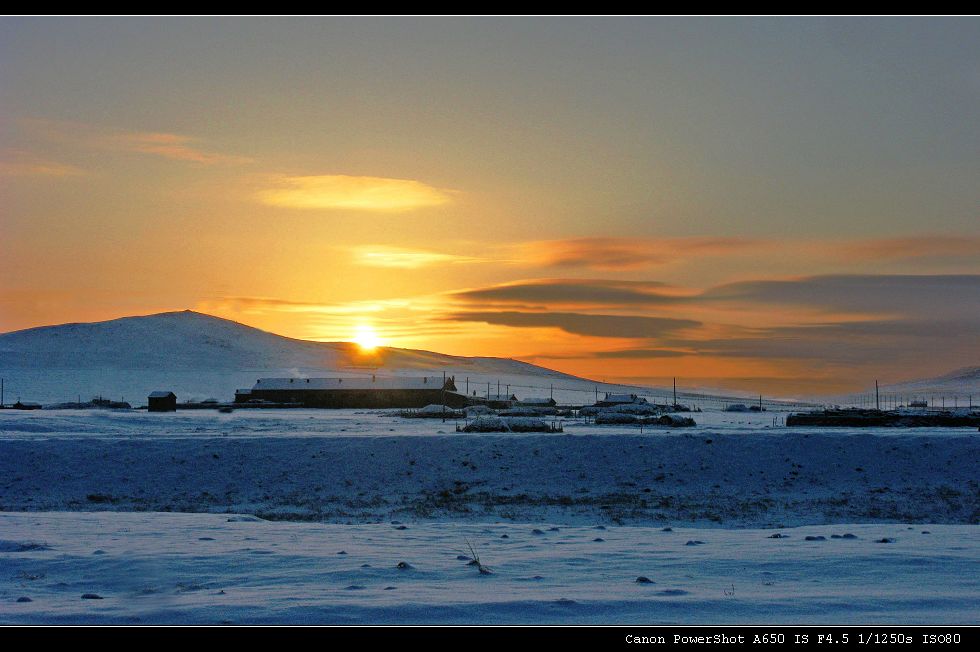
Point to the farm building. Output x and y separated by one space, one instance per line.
243 395
537 401
26 405
161 402
373 392
495 401
619 399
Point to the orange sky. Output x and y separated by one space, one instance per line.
749 204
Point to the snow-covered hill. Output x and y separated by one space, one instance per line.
963 381
200 356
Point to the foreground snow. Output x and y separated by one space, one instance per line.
207 568
567 522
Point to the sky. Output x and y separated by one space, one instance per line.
781 205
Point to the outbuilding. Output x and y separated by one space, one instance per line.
620 399
537 401
161 402
349 392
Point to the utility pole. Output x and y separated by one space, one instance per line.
675 390
877 400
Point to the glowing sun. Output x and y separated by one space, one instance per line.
367 338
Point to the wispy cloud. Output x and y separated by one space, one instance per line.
850 343
172 146
624 326
404 258
919 246
640 354
247 304
929 296
18 163
631 253
340 191
572 292
618 254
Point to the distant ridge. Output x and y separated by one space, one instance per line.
965 380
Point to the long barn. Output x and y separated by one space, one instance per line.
373 392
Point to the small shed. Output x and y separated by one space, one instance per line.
161 402
537 401
495 401
620 399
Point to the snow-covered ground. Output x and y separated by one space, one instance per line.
206 568
145 511
347 466
44 424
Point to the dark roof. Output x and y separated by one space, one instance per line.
356 383
537 400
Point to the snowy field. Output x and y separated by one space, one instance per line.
205 568
144 511
318 423
350 467
244 423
